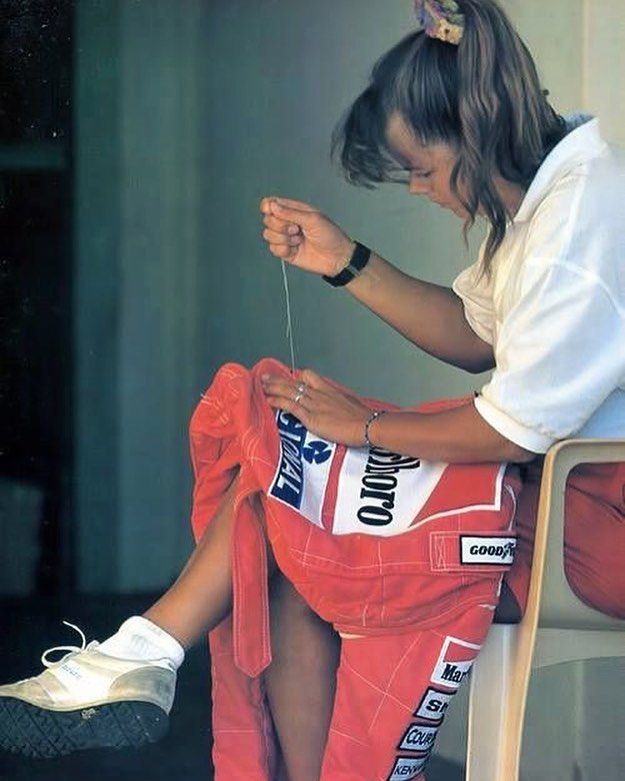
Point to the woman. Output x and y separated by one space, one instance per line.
456 109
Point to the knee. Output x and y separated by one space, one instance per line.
285 600
298 634
602 590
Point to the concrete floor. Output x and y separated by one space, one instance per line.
27 628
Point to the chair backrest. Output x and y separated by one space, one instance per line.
559 606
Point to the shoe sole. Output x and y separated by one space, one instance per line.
36 732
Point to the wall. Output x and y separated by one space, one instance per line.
138 213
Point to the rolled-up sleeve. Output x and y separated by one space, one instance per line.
559 354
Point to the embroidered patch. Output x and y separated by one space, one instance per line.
454 662
303 469
418 738
406 768
434 705
487 550
381 493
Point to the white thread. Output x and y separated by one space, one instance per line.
289 325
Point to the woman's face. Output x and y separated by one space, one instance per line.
430 165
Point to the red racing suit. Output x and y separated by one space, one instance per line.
404 557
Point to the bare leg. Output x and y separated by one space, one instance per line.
202 595
301 680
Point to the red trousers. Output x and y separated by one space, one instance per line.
412 608
392 695
393 691
594 535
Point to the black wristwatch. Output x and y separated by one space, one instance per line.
358 260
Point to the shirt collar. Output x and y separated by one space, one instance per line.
583 142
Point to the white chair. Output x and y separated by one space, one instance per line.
556 628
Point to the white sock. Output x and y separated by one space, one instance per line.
138 638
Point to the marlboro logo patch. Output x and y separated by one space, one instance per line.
454 662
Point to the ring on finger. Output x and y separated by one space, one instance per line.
301 388
298 397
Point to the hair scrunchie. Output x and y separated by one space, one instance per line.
441 19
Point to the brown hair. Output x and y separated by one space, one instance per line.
483 97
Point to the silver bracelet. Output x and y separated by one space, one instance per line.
374 416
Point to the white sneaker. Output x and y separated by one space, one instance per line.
86 700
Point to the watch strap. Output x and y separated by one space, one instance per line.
358 260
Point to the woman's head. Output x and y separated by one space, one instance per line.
479 103
429 166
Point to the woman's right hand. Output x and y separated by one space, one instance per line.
302 235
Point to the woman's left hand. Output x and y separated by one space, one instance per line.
325 411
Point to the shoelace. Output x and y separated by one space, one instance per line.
72 649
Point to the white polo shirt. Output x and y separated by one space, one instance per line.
554 306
